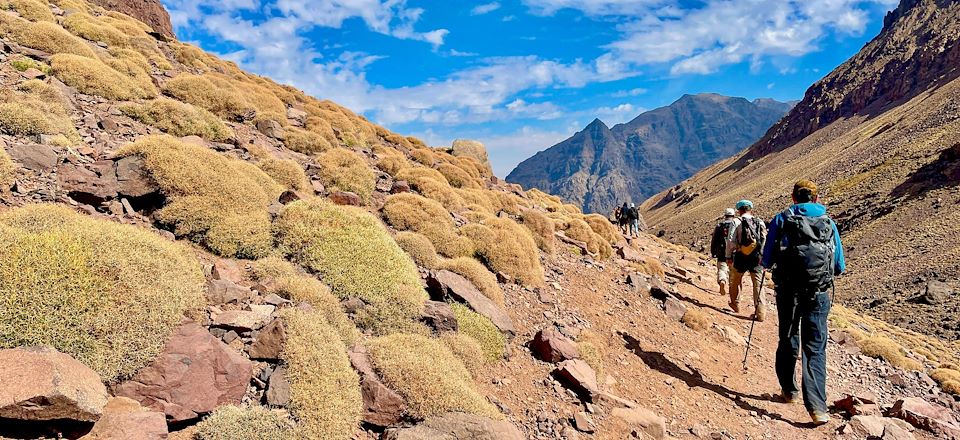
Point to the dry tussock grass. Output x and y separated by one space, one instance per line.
419 248
88 27
695 319
344 170
429 377
35 108
250 423
509 248
286 281
8 170
306 142
592 349
457 177
476 273
410 212
467 349
324 388
579 229
179 119
288 173
885 348
541 228
43 35
478 327
214 200
345 246
392 165
33 10
94 77
210 92
107 294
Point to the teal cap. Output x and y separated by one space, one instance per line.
744 204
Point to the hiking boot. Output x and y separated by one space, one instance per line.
819 418
735 307
790 398
723 289
760 315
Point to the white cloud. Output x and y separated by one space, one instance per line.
617 114
631 92
485 8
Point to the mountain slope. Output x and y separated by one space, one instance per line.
600 167
881 135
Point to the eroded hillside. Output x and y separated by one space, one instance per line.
880 134
189 251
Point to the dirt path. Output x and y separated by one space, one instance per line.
694 379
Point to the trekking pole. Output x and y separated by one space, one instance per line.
753 324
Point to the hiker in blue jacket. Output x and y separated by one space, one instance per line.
804 253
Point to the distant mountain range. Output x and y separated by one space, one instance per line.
600 167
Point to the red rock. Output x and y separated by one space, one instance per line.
457 426
630 254
445 284
225 292
578 375
318 187
269 342
194 375
344 198
34 157
299 117
92 186
289 196
278 390
439 316
150 12
241 320
400 186
550 346
381 406
125 419
674 308
927 416
225 269
133 178
44 384
642 420
271 128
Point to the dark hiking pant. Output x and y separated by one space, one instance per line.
803 329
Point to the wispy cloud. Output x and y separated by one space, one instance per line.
485 8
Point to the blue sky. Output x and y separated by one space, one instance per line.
521 75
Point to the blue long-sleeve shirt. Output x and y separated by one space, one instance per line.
771 247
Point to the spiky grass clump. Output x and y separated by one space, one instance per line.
36 108
433 185
284 280
210 92
344 170
410 212
482 330
357 258
214 200
107 294
93 77
8 170
33 10
324 388
458 177
541 228
419 248
592 349
602 227
467 349
428 376
287 173
579 229
695 319
253 423
882 347
948 377
392 165
179 119
306 142
508 248
86 26
476 273
22 64
45 36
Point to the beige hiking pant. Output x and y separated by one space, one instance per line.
723 272
736 279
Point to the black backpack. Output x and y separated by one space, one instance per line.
633 214
806 259
718 245
751 235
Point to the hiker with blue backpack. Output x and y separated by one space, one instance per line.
804 253
747 239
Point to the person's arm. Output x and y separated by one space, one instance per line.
771 246
840 265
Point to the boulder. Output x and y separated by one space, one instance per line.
224 269
860 404
297 116
291 195
583 422
194 374
658 289
934 293
549 345
400 186
34 157
674 308
630 254
470 148
278 389
133 179
269 342
448 285
225 292
642 420
875 426
344 198
457 426
125 419
927 416
895 432
638 282
731 335
579 376
239 319
44 384
381 406
439 316
271 128
92 186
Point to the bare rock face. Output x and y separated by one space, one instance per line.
44 384
269 342
457 426
927 416
549 345
381 405
642 420
578 375
194 375
446 284
124 418
150 12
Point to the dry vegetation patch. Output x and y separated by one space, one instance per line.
36 108
508 248
179 119
345 170
107 294
541 228
43 35
94 77
481 329
8 170
410 212
476 273
419 248
288 173
306 142
467 349
236 423
33 10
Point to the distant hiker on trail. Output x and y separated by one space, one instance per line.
720 250
623 220
633 219
746 239
804 252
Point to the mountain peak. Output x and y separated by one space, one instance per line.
597 123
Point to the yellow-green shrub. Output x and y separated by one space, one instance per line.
344 170
948 379
508 248
882 347
602 227
179 119
695 319
33 10
93 77
482 330
46 36
478 274
211 93
392 164
467 349
288 282
8 171
592 349
357 258
410 212
287 173
306 142
107 294
579 229
457 177
22 64
428 376
324 388
215 200
253 423
476 200
541 228
86 26
419 248
36 108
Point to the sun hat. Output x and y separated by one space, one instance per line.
730 212
744 204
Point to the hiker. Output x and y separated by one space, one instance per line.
624 220
804 252
746 239
616 217
720 250
633 217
